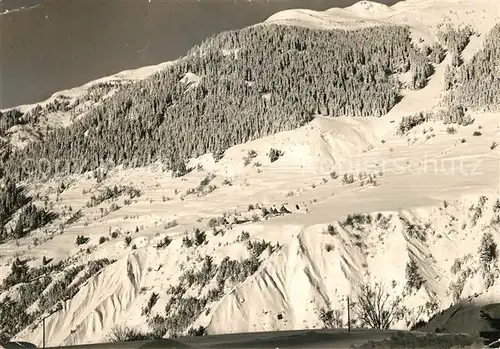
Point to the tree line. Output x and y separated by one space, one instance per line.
13 197
252 83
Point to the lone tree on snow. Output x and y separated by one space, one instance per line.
376 308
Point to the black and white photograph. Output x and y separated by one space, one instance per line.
250 174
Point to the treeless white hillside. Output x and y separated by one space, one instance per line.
423 17
466 315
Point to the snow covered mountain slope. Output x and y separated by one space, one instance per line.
64 107
423 17
206 249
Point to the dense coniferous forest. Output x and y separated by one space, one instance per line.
8 119
252 82
12 198
476 84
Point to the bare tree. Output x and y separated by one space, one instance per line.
125 334
374 307
330 318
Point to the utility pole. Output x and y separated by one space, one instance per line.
348 315
43 334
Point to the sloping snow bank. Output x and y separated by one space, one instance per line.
98 306
423 17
